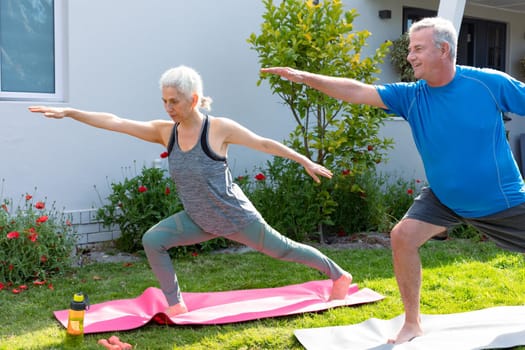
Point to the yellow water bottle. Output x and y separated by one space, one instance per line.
75 321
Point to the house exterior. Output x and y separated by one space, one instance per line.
109 55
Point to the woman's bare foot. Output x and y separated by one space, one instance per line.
340 287
176 309
408 332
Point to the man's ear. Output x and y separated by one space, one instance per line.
445 48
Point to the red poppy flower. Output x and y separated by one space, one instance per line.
4 206
40 205
167 191
39 283
194 254
260 177
43 259
370 148
22 287
28 197
13 235
345 172
164 154
142 189
50 286
33 237
68 223
42 219
410 191
16 291
11 267
2 286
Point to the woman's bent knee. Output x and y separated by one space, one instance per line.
149 240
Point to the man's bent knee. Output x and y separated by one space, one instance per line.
411 233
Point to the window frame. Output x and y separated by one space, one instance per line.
59 19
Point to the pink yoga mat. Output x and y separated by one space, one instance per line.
217 307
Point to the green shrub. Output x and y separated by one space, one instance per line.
138 203
398 54
358 202
35 241
288 198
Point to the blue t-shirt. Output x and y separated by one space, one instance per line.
460 135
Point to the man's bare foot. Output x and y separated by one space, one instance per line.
408 332
340 287
176 309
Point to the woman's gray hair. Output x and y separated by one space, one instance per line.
188 82
444 31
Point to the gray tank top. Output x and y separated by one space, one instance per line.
206 189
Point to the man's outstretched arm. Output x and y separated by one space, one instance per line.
346 89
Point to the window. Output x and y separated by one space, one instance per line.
32 50
481 43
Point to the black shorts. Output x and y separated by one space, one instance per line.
506 228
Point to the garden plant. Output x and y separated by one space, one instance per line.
36 242
319 37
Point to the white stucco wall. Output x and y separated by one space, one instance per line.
116 52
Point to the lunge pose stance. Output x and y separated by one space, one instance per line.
214 206
455 114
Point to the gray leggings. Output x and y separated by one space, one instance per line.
180 230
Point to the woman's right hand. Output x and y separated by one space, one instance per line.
49 112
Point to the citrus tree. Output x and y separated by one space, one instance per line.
319 37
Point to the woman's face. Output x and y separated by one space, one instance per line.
177 105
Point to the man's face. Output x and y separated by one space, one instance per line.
423 54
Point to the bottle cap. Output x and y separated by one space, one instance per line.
78 297
79 302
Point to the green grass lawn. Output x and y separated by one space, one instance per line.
459 276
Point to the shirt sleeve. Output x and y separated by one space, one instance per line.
396 97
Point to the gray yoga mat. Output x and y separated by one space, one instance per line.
491 328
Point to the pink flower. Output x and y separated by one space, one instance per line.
13 235
164 154
260 177
142 189
40 205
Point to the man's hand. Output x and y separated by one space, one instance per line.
291 74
